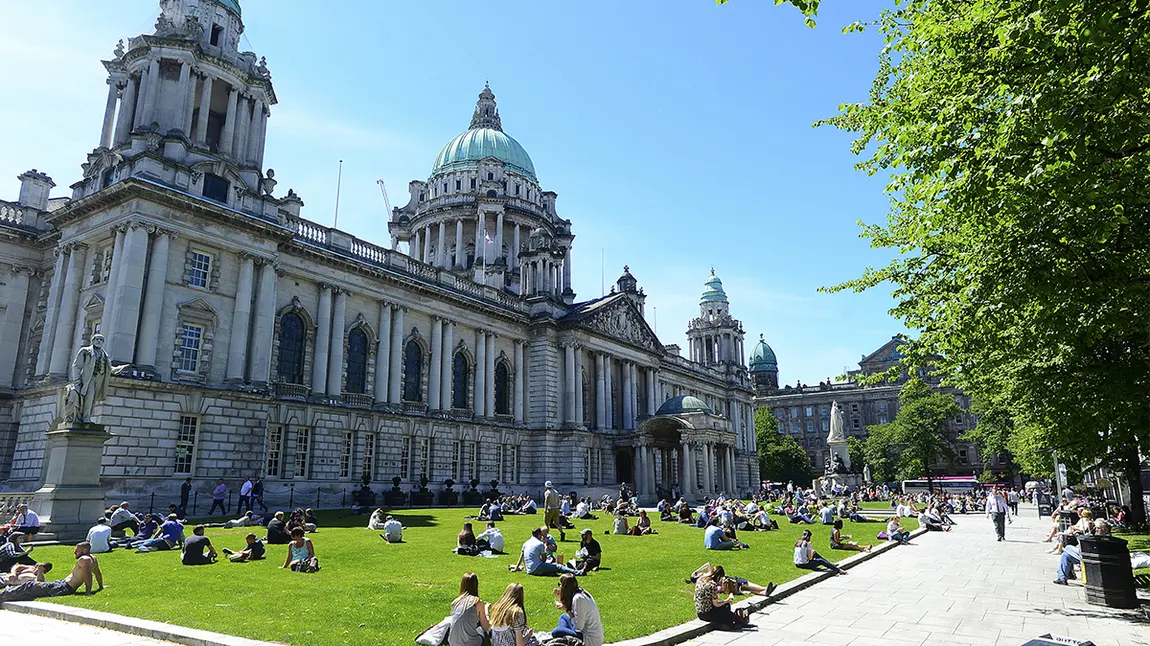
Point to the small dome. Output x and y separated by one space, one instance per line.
763 357
232 6
714 290
683 404
468 148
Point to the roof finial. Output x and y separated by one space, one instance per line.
761 337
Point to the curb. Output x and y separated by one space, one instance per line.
130 625
696 627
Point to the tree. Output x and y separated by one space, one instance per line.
856 451
781 459
1015 138
993 433
909 447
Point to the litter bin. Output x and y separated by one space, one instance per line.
1109 577
1066 518
1045 505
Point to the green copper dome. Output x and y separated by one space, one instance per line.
763 357
468 148
714 290
684 404
232 5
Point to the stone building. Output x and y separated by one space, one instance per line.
249 340
804 411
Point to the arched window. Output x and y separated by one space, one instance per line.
502 386
412 372
356 361
293 340
460 376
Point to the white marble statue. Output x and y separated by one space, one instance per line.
92 369
838 425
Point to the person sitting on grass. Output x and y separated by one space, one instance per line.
931 525
490 539
311 522
712 609
24 573
375 523
123 519
301 553
589 555
99 535
854 516
495 512
277 530
839 540
643 525
761 521
465 544
85 569
714 538
580 618
253 552
583 510
392 531
827 514
468 614
509 619
895 532
807 558
620 524
195 548
732 584
168 536
686 514
533 557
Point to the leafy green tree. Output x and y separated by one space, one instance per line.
781 459
993 433
856 450
1016 141
910 446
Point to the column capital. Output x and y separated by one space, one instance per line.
326 287
25 269
520 342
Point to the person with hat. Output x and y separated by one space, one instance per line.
589 554
551 504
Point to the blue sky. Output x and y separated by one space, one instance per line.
676 133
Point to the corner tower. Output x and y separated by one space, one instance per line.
715 337
764 367
186 105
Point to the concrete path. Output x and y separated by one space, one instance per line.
21 628
959 587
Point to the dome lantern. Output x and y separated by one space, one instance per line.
484 138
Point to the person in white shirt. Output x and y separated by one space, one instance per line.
996 512
580 616
246 495
376 520
98 536
123 519
493 537
582 510
25 521
392 531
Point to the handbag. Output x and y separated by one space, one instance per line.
435 635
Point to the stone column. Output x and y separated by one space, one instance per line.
489 369
127 110
641 465
499 235
243 127
579 416
383 353
426 237
141 97
478 239
184 85
600 393
44 357
732 482
567 270
520 369
515 249
15 299
652 379
154 301
395 374
256 134
261 359
435 368
460 258
205 108
448 365
109 116
569 378
441 246
265 112
241 320
651 480
634 396
608 394
687 464
480 376
335 349
735 420
227 138
190 101
152 90
129 289
709 463
628 413
322 342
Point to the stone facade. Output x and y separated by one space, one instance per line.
248 340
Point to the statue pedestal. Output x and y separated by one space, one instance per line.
71 498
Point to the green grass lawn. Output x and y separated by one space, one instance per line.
875 505
1138 542
369 592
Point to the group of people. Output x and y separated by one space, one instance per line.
504 623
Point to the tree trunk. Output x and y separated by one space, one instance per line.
1133 472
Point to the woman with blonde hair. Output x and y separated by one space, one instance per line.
468 615
580 616
509 619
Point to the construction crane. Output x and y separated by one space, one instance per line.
386 202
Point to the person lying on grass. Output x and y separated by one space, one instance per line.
82 574
253 552
24 573
301 553
732 584
839 540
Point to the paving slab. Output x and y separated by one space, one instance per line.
20 628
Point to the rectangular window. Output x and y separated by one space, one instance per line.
794 411
302 452
782 427
810 411
499 464
795 427
424 457
456 450
963 457
587 468
882 407
186 444
191 337
458 184
216 188
825 425
345 455
473 461
200 270
855 424
472 182
854 408
824 411
369 455
405 459
882 419
810 426
274 464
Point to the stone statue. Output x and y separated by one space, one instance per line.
838 425
866 474
92 369
119 51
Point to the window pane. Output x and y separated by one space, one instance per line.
302 452
201 268
292 339
275 450
356 361
502 384
412 372
460 377
190 339
186 444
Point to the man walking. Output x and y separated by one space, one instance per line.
245 496
551 510
1012 500
258 494
185 493
996 511
218 495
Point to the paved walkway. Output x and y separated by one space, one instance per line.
21 628
959 587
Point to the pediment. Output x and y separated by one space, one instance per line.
200 309
95 302
621 321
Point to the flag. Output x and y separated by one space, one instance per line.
487 237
